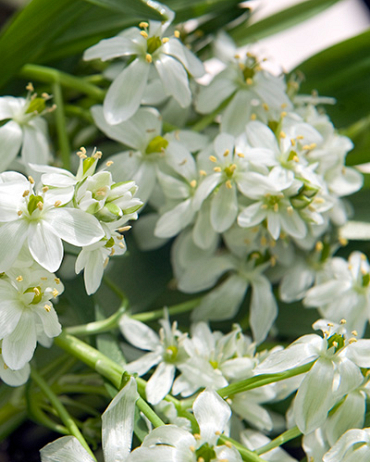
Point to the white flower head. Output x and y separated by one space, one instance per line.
149 49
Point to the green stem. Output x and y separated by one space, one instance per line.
63 139
149 413
77 111
209 118
261 380
172 310
98 327
92 357
283 438
247 455
62 412
49 75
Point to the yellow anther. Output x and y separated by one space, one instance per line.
57 280
363 257
5 366
26 192
253 116
122 245
57 203
326 333
193 183
45 95
299 137
292 140
226 153
282 134
218 433
276 207
228 444
217 169
263 241
319 200
37 291
97 155
335 344
343 321
319 246
31 180
265 106
109 163
237 56
248 54
112 252
30 87
55 293
44 279
19 278
289 209
45 189
19 213
192 448
176 34
143 25
343 241
200 459
313 145
197 436
144 34
148 58
354 332
40 205
306 147
212 158
240 154
165 40
283 114
295 159
124 228
350 266
363 271
228 184
284 105
47 308
352 340
330 324
249 81
202 173
106 261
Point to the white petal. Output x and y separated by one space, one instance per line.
10 143
211 96
205 189
112 48
263 310
173 221
65 449
160 383
49 319
142 365
174 78
75 226
45 246
191 63
19 346
223 302
12 237
35 147
251 215
118 424
359 352
94 271
124 95
14 378
237 114
212 414
139 334
260 136
315 396
350 438
155 453
230 454
224 208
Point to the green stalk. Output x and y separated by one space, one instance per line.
209 118
114 288
61 410
77 111
63 139
149 413
98 327
261 380
247 455
48 75
278 441
172 310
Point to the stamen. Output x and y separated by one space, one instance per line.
109 163
57 203
19 213
57 280
26 192
30 87
212 158
97 155
176 34
202 173
253 116
226 153
217 169
31 180
265 106
148 58
241 155
55 293
249 81
165 40
143 25
45 189
47 308
193 183
144 34
19 278
228 184
124 228
282 134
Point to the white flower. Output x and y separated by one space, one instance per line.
172 443
254 440
26 309
344 292
13 378
149 48
42 219
354 445
165 350
117 429
336 372
25 129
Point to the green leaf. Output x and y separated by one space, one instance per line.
140 8
32 30
280 21
342 71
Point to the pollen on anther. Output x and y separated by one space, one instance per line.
217 169
352 340
144 34
343 321
97 155
227 152
282 134
193 183
192 448
26 192
212 158
228 184
30 87
19 213
289 209
283 114
45 189
57 280
240 154
19 278
319 246
253 116
228 444
299 137
354 332
124 228
37 292
31 180
202 173
165 40
55 293
57 203
143 25
109 163
176 34
47 308
121 244
265 106
343 241
249 81
148 58
40 205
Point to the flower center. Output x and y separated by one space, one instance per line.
206 452
171 353
34 202
153 43
157 144
38 294
336 341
